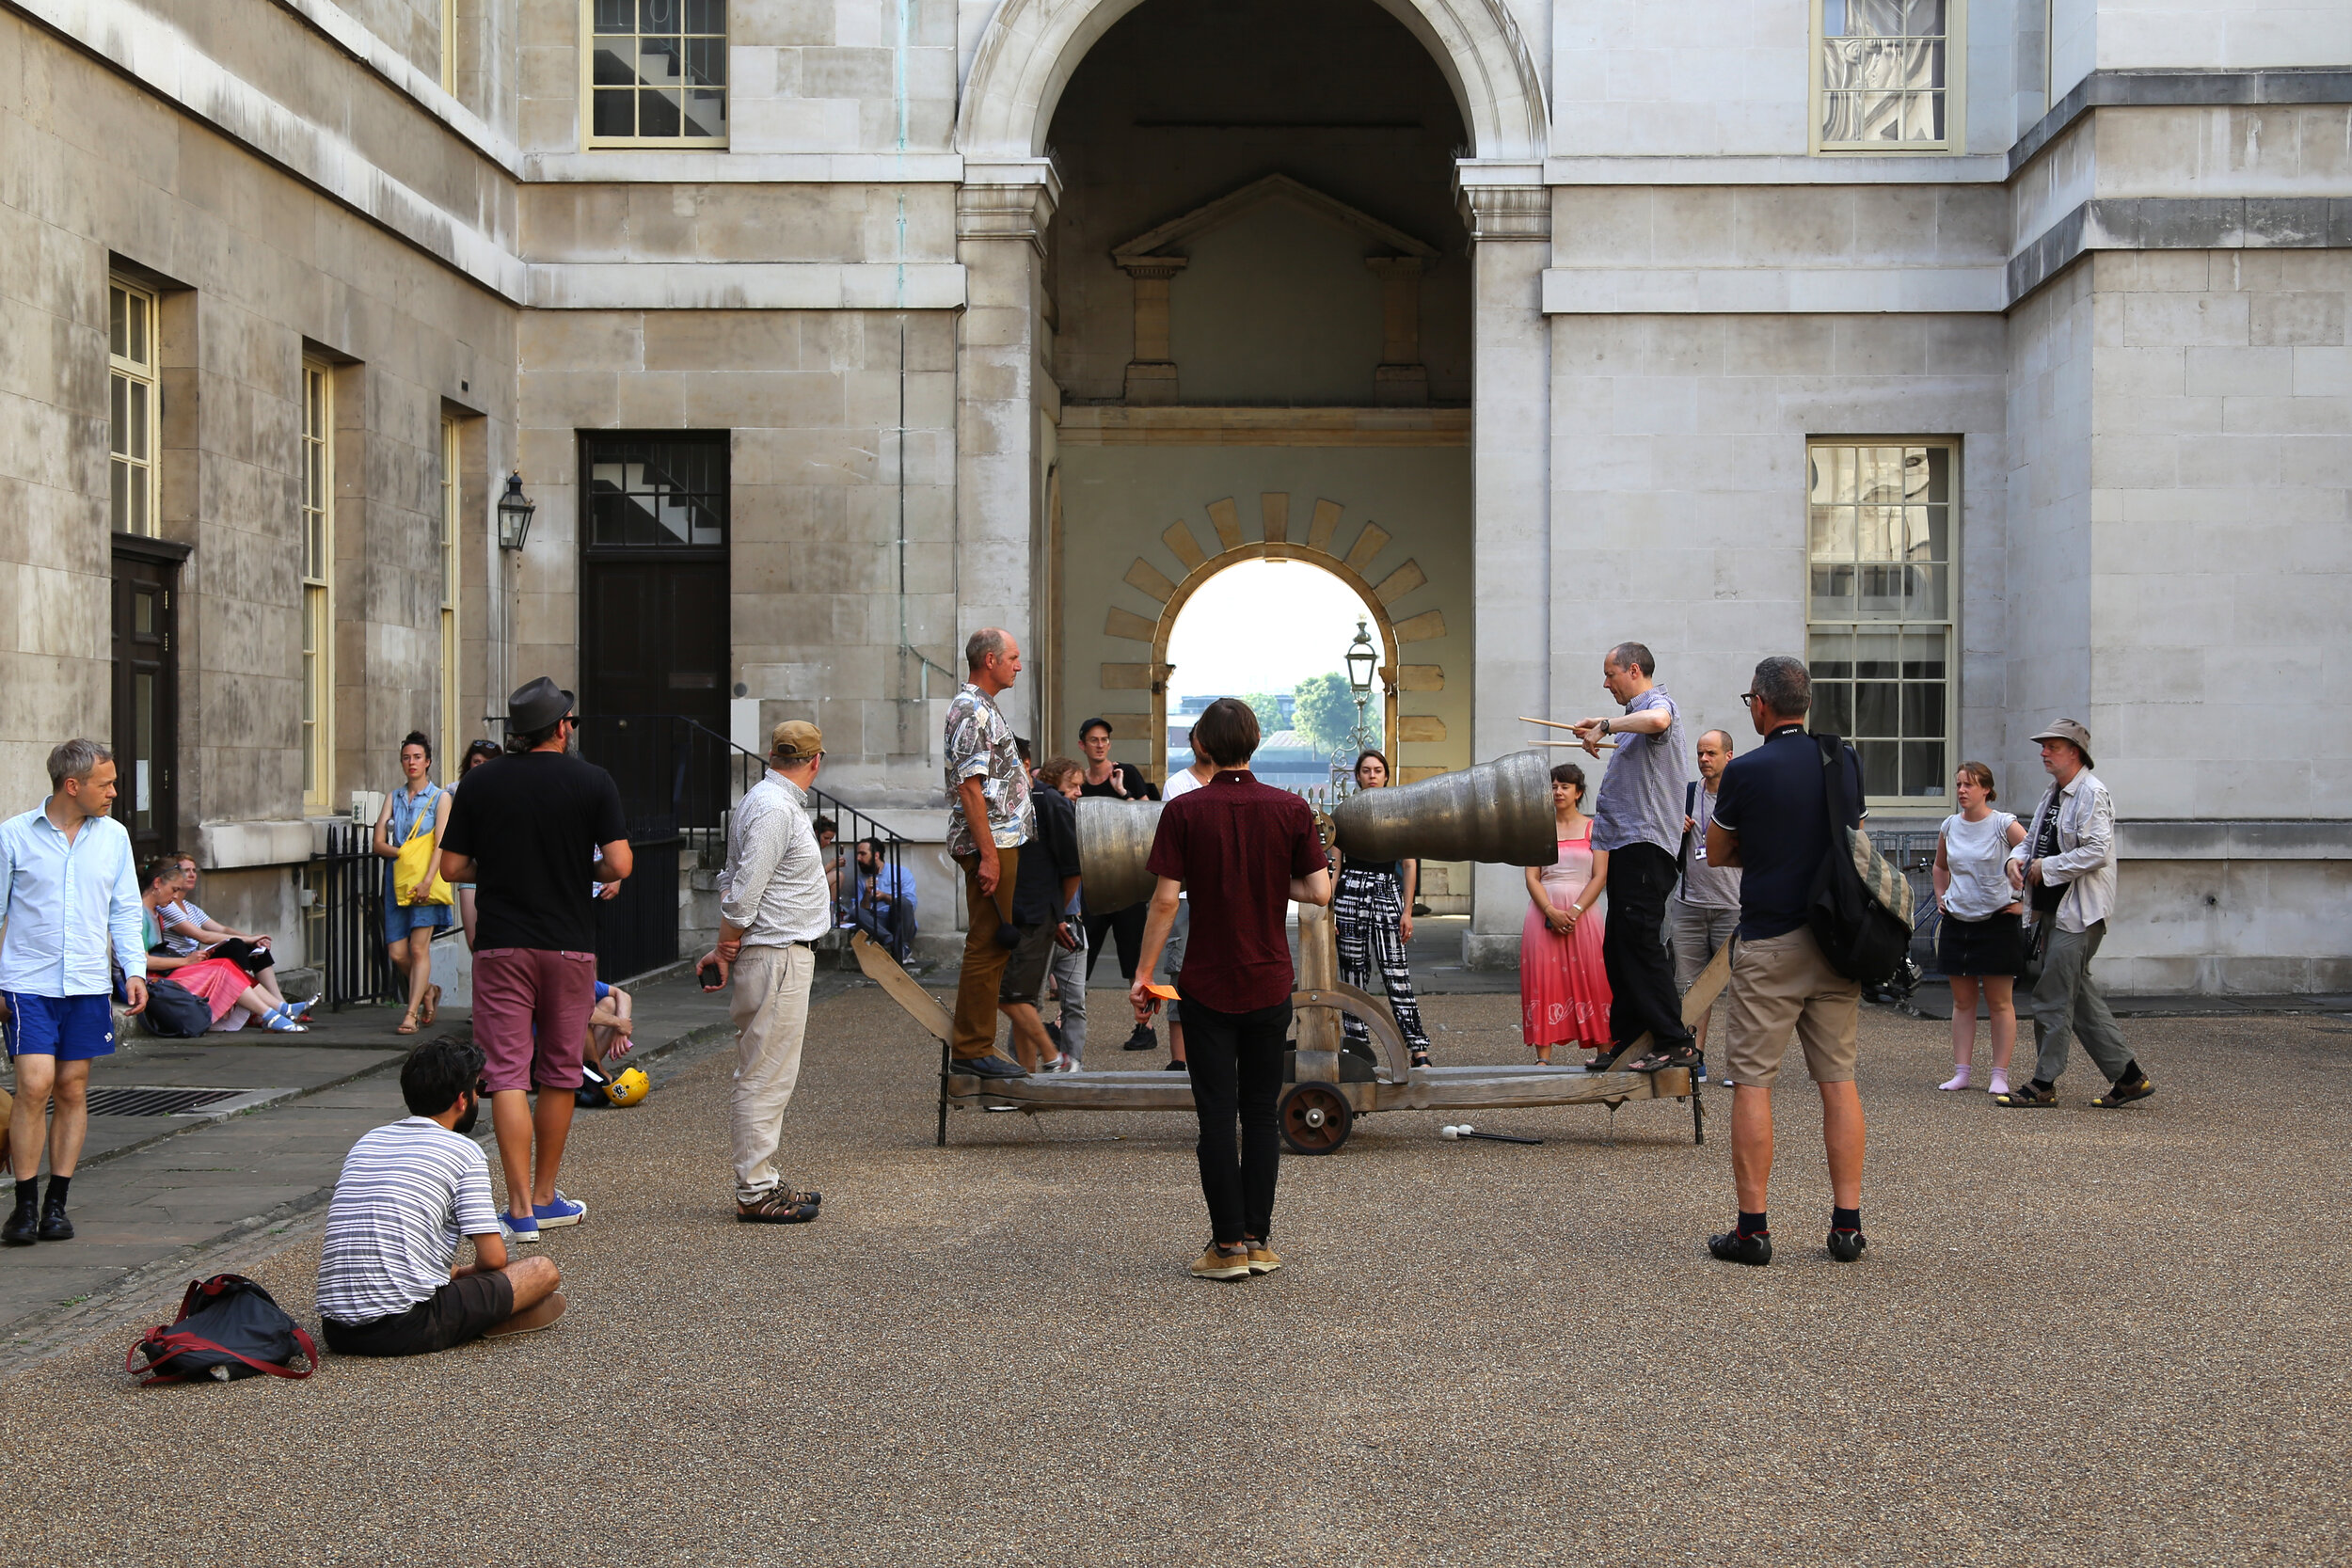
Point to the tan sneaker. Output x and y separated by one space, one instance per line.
1263 1259
1213 1264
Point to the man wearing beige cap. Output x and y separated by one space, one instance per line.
2065 866
772 904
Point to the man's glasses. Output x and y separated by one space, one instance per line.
1750 697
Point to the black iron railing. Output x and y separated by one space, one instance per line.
342 919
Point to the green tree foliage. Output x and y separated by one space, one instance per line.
1327 712
1268 707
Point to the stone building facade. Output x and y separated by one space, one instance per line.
1991 354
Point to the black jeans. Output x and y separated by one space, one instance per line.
1642 994
891 924
1236 1063
1126 928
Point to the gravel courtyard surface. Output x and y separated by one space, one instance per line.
2078 1337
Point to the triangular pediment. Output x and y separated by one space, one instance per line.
1258 193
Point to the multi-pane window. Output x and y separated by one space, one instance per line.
450 729
656 72
1887 76
130 392
1878 612
656 492
318 587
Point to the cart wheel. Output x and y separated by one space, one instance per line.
1315 1118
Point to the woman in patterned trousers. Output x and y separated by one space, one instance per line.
1371 917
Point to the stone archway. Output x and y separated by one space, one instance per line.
1030 48
1355 567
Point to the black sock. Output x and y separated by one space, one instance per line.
58 1185
2130 1075
1845 1219
28 1194
2044 1085
1752 1225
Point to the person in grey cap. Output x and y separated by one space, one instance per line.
523 831
2065 866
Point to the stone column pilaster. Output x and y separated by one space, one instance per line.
1152 374
1002 211
1508 211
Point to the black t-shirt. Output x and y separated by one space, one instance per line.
1045 859
1772 798
532 823
1137 786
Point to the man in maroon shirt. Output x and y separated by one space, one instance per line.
1243 850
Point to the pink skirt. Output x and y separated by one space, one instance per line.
1564 990
218 981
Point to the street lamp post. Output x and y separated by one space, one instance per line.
1362 659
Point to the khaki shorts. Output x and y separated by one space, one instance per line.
1782 984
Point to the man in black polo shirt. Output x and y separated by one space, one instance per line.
1771 821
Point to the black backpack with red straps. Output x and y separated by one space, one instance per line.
228 1328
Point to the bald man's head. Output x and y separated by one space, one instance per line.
1714 750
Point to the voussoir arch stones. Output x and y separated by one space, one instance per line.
1030 48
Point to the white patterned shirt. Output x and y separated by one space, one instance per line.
980 745
772 888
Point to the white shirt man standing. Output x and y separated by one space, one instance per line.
1705 909
773 902
69 900
2065 866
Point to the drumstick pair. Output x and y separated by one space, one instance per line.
1554 724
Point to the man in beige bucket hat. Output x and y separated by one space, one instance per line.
2065 866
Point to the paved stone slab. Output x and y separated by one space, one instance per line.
2079 1336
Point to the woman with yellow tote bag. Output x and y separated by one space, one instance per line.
416 900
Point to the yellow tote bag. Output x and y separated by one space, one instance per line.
412 868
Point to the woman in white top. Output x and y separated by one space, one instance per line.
1983 940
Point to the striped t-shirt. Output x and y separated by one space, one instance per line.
407 1193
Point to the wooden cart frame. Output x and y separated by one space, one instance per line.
1324 1094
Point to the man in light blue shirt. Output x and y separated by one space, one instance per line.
69 906
881 901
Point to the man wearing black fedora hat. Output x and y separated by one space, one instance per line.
523 831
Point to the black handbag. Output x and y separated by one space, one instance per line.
228 1328
173 1012
1861 907
2036 951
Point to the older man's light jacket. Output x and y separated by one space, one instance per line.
2085 863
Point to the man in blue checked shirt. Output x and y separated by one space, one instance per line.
70 903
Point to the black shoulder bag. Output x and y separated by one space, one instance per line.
1861 907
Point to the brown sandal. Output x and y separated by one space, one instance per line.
431 1005
407 1024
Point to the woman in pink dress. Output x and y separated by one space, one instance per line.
1563 991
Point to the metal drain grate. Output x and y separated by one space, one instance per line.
155 1103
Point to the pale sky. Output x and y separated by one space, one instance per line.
1262 627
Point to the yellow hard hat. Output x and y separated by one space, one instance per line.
627 1088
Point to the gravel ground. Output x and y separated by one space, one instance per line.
2078 1337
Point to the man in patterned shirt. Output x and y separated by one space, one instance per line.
989 819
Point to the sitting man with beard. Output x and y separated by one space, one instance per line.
408 1192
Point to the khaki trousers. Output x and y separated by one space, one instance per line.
983 959
769 1006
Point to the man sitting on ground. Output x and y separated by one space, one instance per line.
408 1192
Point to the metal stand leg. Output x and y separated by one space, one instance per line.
944 1061
1612 1121
1698 1114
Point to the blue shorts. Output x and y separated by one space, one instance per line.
401 919
70 1028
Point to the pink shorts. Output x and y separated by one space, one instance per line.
530 1010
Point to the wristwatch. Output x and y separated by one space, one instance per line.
1604 726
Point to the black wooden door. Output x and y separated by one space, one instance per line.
147 693
654 638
